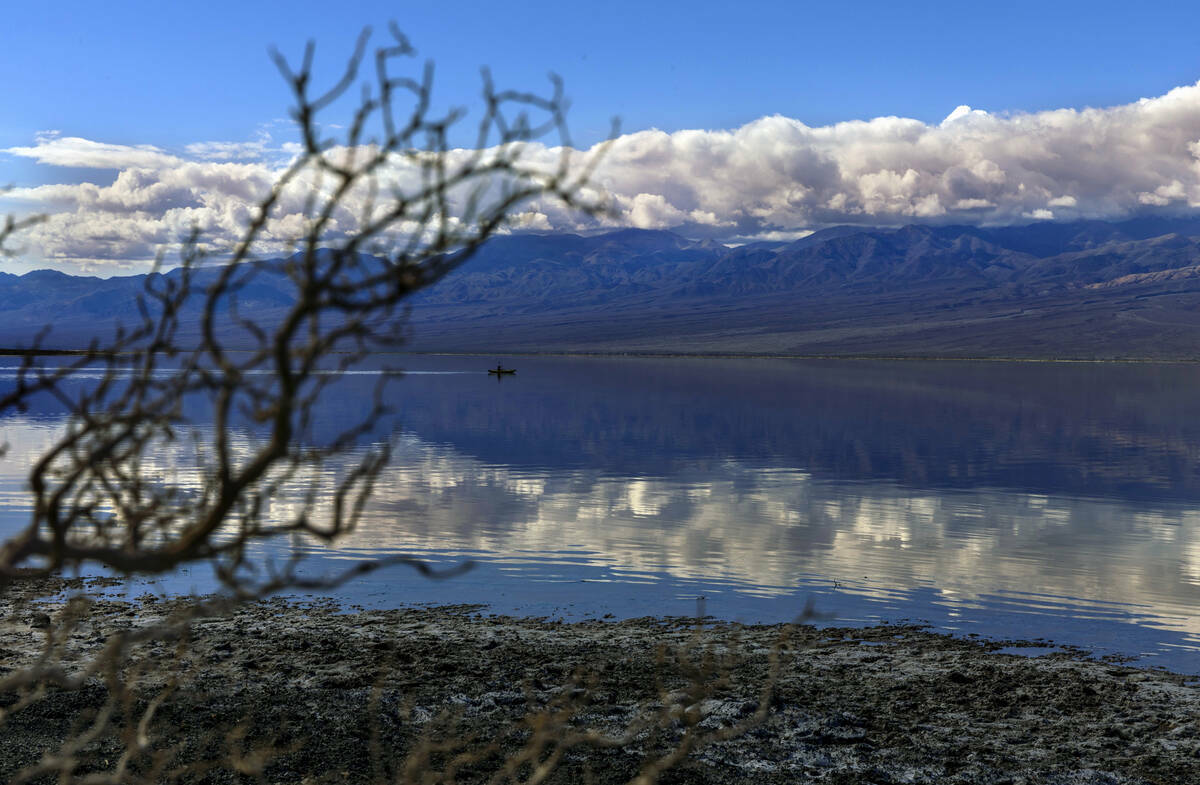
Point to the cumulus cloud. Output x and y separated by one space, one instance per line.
56 150
771 178
962 112
225 151
778 174
262 147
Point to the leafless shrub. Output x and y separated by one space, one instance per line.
95 501
100 499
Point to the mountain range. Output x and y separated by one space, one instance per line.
1086 290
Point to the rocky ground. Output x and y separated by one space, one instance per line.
292 692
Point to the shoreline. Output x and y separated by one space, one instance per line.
837 357
885 704
681 355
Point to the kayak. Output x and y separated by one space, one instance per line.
499 371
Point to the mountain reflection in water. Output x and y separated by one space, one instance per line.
1010 499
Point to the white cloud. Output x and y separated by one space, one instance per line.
777 173
226 151
58 150
770 237
772 177
262 147
1164 194
963 112
650 211
531 221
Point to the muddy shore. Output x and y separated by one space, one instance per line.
305 692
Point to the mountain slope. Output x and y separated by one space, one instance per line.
1088 290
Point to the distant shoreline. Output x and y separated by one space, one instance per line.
664 355
769 356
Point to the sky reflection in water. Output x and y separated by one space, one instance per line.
1011 500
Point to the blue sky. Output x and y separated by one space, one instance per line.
173 73
169 75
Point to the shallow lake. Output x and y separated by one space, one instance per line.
1012 500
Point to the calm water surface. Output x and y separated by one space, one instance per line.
1013 500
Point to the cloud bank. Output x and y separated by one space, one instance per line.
772 178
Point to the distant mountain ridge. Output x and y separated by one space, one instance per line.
834 259
1089 289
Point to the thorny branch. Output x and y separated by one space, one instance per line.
420 209
103 497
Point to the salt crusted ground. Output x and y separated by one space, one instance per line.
335 696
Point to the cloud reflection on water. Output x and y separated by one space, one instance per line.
767 531
911 487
